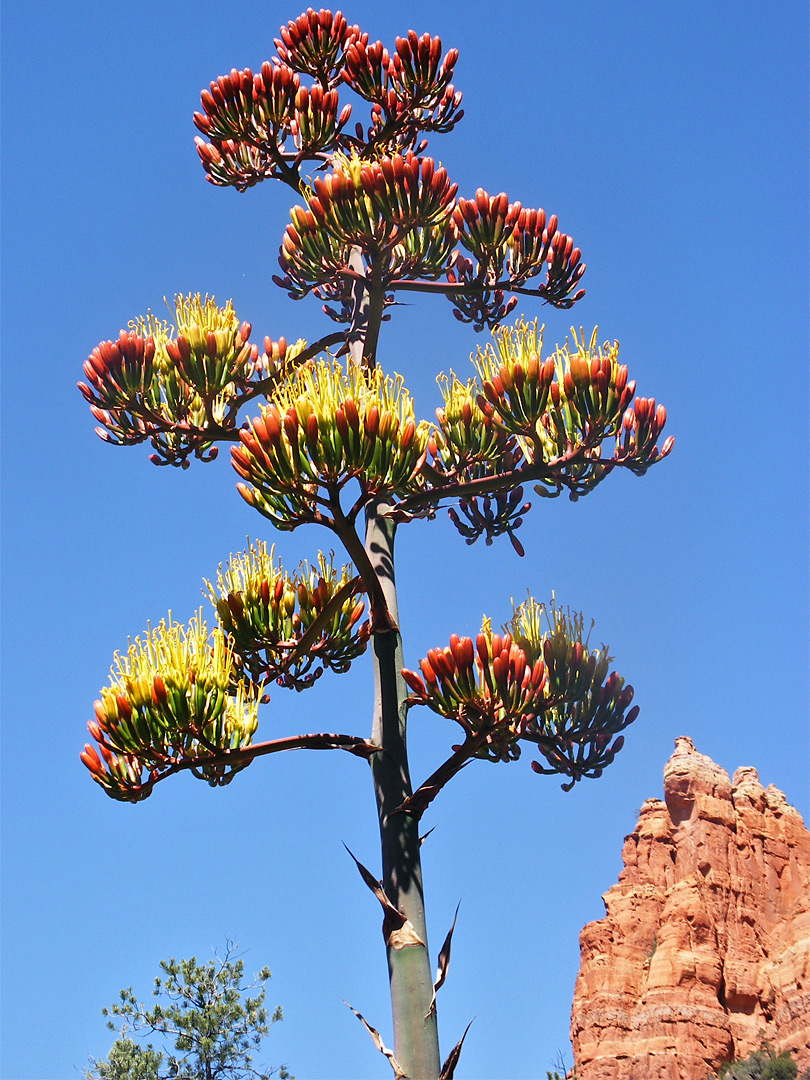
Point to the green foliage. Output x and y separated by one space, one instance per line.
209 1025
762 1064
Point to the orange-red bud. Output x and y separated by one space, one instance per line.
428 671
415 683
408 433
92 760
352 416
159 693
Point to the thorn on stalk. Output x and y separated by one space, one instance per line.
398 930
391 912
399 1073
444 964
449 1067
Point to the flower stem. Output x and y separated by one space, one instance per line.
416 1041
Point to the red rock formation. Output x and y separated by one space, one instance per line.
705 948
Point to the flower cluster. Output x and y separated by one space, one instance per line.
397 211
509 245
234 163
587 704
637 444
575 398
289 627
410 89
536 682
175 698
181 385
250 118
490 516
401 212
488 687
539 419
315 43
397 207
514 244
466 435
322 428
263 125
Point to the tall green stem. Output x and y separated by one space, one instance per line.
416 1040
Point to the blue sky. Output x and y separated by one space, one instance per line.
672 142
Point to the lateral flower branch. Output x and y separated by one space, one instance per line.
320 434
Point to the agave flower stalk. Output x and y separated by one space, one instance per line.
332 439
416 1039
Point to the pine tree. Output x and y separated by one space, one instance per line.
208 1023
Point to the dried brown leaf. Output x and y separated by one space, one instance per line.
391 912
399 1074
444 962
449 1067
444 955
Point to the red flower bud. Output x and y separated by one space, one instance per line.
428 671
415 683
357 611
482 648
408 433
159 693
291 425
92 760
350 409
538 674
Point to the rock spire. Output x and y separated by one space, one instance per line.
705 947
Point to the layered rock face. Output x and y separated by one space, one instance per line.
705 948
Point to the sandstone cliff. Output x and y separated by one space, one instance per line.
705 947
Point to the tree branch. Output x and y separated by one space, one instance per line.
487 485
448 288
353 744
424 795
